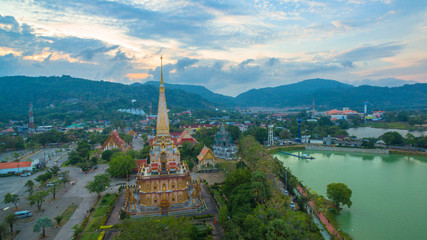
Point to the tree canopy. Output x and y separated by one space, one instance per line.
99 184
121 165
392 138
11 198
339 194
41 225
38 198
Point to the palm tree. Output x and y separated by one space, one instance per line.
30 187
41 225
11 219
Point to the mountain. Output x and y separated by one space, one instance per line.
333 94
383 82
196 89
295 94
68 95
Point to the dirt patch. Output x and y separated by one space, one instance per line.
211 178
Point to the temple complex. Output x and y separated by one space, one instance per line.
223 146
164 185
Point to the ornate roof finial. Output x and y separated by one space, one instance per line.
161 70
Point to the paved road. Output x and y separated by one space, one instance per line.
76 194
85 202
15 184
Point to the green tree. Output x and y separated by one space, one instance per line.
41 225
30 187
38 199
58 219
53 189
3 230
392 138
128 138
65 175
11 219
106 155
121 165
99 184
11 198
145 152
339 194
234 131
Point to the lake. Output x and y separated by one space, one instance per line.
369 132
389 191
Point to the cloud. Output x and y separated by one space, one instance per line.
89 53
371 52
36 55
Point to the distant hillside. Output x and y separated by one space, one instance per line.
333 94
200 90
383 82
70 94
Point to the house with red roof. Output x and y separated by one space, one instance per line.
15 167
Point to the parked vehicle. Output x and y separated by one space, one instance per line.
23 214
26 174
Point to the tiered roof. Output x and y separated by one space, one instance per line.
114 136
204 153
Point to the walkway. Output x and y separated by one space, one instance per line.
320 215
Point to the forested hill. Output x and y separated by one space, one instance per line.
99 99
200 90
333 94
69 94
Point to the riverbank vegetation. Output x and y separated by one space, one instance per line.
255 208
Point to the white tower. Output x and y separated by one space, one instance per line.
270 135
366 108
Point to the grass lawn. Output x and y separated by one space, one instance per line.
68 213
107 200
105 204
93 224
218 196
90 236
228 165
100 211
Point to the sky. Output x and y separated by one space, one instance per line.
228 46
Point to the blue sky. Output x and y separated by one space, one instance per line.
227 46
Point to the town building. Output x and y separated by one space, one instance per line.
17 167
223 146
164 185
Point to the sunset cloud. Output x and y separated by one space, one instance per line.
227 46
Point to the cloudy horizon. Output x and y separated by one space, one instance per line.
228 47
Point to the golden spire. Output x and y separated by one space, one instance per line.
161 70
162 112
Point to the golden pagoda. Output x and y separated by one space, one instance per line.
164 181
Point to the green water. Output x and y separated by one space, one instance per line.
389 191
